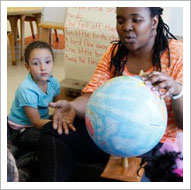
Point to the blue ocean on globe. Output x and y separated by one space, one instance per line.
125 118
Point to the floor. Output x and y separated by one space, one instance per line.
16 73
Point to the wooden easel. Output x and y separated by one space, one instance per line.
123 169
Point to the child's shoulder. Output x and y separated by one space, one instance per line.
53 79
26 86
27 83
54 82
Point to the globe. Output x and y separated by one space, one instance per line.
125 118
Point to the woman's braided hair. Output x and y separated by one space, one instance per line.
118 59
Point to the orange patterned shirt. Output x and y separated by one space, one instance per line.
103 73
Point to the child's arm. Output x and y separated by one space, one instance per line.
34 117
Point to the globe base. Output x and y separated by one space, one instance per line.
116 170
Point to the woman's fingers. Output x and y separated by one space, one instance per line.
63 117
71 126
167 92
68 124
159 81
55 121
59 127
65 127
155 79
154 73
58 104
161 85
63 124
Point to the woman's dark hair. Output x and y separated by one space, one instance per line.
118 59
36 45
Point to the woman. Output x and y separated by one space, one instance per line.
145 44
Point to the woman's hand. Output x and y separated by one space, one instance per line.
63 117
161 81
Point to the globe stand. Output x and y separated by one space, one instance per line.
124 162
123 169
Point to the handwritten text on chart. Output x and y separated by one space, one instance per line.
88 33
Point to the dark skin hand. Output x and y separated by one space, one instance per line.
161 80
65 113
63 116
167 86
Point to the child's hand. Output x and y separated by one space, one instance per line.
63 116
163 81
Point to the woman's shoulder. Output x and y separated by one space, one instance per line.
176 46
112 47
176 55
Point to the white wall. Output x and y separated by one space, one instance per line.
174 18
54 14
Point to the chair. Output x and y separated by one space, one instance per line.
12 46
46 31
29 18
12 40
32 30
21 13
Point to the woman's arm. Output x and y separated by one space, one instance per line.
79 104
177 106
34 117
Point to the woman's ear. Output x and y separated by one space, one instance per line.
155 22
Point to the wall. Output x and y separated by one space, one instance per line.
54 14
88 33
173 16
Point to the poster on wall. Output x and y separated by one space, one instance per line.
88 33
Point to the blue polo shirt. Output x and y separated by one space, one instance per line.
29 94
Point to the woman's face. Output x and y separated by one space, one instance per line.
135 27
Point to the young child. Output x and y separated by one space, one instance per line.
29 111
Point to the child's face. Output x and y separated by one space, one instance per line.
40 65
